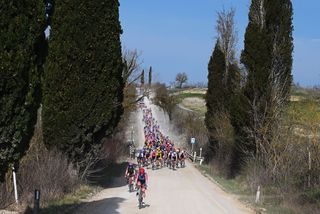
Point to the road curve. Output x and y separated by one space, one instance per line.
184 191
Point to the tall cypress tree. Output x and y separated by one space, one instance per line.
279 26
268 61
233 83
256 57
150 75
142 78
83 85
215 93
20 26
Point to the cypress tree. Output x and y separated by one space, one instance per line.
268 61
150 75
256 58
20 26
83 84
232 85
215 93
142 78
279 26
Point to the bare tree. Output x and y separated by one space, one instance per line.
227 36
132 62
181 78
131 74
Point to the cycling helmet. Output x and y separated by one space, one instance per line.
141 170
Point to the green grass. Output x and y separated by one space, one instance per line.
66 204
73 198
306 112
229 185
274 209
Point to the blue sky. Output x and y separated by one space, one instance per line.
178 35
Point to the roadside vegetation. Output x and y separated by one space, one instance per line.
261 129
64 101
65 104
289 181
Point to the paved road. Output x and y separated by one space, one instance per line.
184 191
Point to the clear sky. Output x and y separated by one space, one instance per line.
178 35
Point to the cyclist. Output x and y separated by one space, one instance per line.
140 157
159 156
174 159
130 172
142 179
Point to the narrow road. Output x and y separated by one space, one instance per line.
184 191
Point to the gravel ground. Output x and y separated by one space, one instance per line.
183 191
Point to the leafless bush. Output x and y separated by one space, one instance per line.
225 137
115 146
191 125
290 164
48 171
112 149
6 195
132 62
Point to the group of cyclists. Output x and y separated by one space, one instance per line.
158 151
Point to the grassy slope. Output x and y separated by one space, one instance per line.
184 94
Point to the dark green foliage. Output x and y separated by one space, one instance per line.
267 57
83 85
233 83
142 78
150 76
216 93
223 83
20 27
252 104
279 25
239 108
216 70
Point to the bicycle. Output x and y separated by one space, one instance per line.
141 193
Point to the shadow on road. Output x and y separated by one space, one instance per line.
110 176
108 205
145 206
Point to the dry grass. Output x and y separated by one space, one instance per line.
194 90
48 171
196 104
294 98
